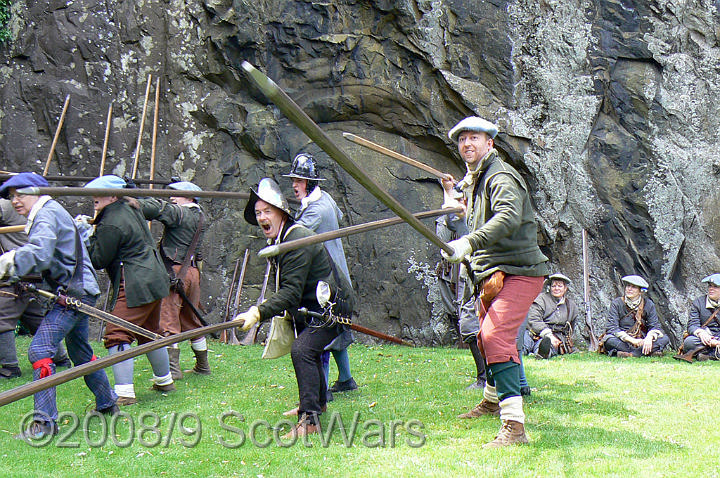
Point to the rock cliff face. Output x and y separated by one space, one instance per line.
608 108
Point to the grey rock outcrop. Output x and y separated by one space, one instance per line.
608 109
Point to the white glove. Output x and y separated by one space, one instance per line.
461 248
252 316
83 222
85 229
7 264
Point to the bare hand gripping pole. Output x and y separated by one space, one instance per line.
308 126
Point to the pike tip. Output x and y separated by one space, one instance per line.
247 66
269 251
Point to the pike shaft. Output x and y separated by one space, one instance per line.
393 154
90 367
134 192
274 250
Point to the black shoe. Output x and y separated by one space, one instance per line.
110 411
544 347
702 357
478 385
525 391
64 363
37 431
10 371
345 386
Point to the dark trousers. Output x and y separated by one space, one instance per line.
613 345
306 356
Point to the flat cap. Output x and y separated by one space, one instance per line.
713 279
558 276
22 180
636 280
473 123
109 181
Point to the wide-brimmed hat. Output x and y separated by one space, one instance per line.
22 180
268 191
473 123
636 281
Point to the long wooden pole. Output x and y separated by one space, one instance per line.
107 138
10 229
5 175
586 286
229 336
274 250
155 129
142 127
393 154
90 367
290 109
133 192
57 134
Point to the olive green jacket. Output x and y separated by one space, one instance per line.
180 222
503 232
123 245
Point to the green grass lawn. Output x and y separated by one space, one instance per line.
588 416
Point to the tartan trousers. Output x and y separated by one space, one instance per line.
64 323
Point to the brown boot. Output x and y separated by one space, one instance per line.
622 354
511 433
170 387
483 408
302 428
174 357
202 366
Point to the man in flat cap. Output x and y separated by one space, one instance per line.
55 251
507 267
703 340
632 327
550 320
122 244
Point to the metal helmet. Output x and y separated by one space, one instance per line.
636 281
304 166
268 191
185 186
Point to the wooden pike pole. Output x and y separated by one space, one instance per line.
107 138
154 133
400 157
142 126
154 138
135 192
275 250
57 135
10 229
229 336
586 286
90 367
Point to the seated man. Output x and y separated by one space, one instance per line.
550 320
704 325
632 327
